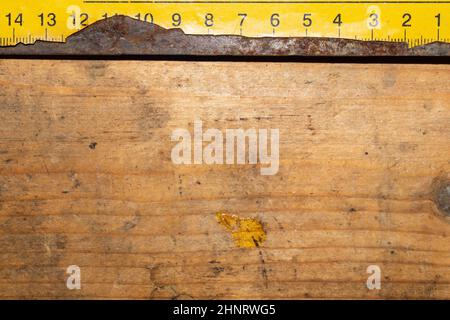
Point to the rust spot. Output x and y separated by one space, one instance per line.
121 35
441 196
246 232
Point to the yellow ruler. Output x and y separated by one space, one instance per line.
414 22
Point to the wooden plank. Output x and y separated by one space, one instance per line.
86 178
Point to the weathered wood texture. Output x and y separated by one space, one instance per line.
86 178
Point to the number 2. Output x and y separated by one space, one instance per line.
407 18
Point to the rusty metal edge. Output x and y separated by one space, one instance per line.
122 35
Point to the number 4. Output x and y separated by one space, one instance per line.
18 20
338 20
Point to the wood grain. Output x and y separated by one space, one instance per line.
86 178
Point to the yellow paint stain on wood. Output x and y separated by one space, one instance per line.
246 232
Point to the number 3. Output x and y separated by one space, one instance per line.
373 20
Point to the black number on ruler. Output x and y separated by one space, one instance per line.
243 16
50 19
18 20
374 22
209 20
307 21
176 19
148 17
105 15
84 17
438 19
338 20
406 20
275 20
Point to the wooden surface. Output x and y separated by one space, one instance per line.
86 179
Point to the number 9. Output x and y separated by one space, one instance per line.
176 19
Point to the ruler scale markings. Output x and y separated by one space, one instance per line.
427 20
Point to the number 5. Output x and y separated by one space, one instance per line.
307 22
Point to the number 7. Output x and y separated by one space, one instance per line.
243 16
